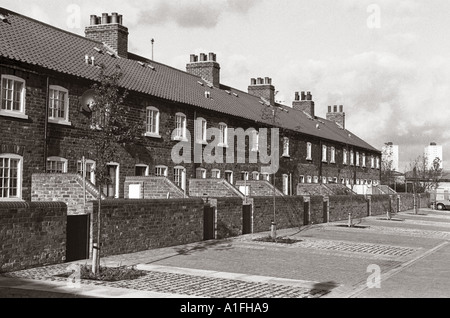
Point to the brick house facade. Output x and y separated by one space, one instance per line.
45 126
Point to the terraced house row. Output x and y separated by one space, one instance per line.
46 85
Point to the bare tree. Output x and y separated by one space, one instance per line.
111 131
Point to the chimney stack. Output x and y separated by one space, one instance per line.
109 30
206 67
262 87
304 102
336 115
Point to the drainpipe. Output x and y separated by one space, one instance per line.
47 99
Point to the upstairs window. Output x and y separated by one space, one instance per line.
161 171
223 138
308 151
352 158
363 160
378 162
357 159
10 177
58 107
324 154
285 147
201 127
180 127
56 165
333 155
12 96
152 116
345 157
255 141
372 162
285 184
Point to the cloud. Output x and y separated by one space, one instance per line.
194 13
387 97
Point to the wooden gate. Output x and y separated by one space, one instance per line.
246 219
209 223
325 212
77 245
306 213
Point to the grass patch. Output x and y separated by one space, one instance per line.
107 274
280 240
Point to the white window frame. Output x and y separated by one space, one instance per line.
201 126
51 101
231 179
117 184
352 158
372 162
180 132
89 174
316 179
363 155
10 157
285 147
152 113
357 159
57 159
223 141
345 157
308 151
310 179
333 155
147 169
200 173
324 153
324 180
285 178
215 173
301 180
255 140
378 162
179 177
161 171
14 113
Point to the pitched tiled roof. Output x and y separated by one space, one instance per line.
26 40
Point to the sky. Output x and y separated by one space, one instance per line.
386 61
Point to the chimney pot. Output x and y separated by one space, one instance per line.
329 109
114 17
297 96
120 19
212 57
341 108
267 80
309 96
193 58
253 81
303 96
335 108
202 57
105 18
93 19
260 80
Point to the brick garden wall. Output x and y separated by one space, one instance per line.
229 217
130 226
32 234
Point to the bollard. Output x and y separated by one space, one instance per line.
388 215
273 231
350 223
94 259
